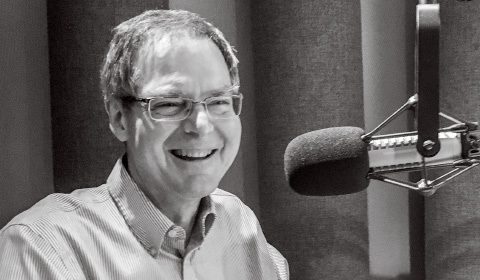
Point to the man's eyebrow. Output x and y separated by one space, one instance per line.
223 90
170 90
164 90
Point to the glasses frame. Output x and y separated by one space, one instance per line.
145 103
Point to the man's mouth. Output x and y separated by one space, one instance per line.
193 154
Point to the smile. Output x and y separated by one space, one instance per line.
191 155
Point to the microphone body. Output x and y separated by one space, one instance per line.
335 161
400 153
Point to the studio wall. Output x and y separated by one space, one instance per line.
26 173
452 215
308 76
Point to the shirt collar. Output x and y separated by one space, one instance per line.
147 222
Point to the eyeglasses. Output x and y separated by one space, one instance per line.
165 108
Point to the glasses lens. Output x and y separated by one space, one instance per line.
177 108
224 107
170 108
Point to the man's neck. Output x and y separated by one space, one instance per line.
181 211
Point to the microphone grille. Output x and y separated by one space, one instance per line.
330 161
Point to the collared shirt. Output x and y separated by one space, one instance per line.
115 232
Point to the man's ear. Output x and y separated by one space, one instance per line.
118 118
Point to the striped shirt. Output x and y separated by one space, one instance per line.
115 232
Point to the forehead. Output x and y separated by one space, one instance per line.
181 62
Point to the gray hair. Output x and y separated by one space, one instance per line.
118 75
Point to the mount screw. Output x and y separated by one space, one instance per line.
428 145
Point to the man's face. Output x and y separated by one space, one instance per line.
184 158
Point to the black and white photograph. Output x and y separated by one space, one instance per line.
240 140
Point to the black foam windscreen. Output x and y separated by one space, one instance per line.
330 161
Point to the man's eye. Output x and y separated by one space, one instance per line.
167 107
167 104
220 101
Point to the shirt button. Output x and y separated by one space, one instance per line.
172 233
176 232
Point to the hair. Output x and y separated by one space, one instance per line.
118 75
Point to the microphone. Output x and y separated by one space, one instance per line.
329 161
342 160
338 160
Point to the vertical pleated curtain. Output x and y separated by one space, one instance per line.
452 216
84 149
308 76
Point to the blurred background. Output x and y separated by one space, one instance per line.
304 65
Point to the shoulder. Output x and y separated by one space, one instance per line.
235 217
280 263
41 234
57 208
243 223
26 255
230 204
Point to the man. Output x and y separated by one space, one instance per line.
170 84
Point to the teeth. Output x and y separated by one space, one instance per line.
192 153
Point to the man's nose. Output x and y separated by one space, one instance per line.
198 122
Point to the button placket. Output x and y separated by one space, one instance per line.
188 272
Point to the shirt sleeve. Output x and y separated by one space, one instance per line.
26 255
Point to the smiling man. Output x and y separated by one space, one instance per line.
171 89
